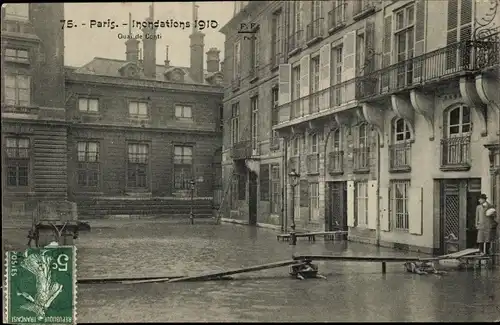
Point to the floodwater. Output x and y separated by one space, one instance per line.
353 291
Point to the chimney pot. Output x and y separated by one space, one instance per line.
213 60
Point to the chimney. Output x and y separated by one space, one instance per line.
167 61
197 47
213 60
149 46
131 45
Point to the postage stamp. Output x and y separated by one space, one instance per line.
40 286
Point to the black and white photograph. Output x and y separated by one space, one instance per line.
251 161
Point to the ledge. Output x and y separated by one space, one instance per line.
362 14
314 40
294 51
312 173
254 79
361 171
455 168
336 172
336 28
401 169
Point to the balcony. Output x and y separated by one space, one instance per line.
361 160
455 154
336 162
362 8
400 157
444 63
295 42
312 164
327 101
314 31
242 150
337 18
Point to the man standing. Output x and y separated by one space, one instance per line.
483 224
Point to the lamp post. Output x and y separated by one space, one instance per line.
294 178
191 214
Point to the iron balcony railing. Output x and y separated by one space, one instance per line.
455 152
361 159
337 17
312 163
323 100
400 156
436 65
362 6
315 29
335 162
295 40
242 150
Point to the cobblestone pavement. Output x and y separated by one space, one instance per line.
352 292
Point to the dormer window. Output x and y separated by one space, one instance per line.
174 74
130 70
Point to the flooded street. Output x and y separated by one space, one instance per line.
352 292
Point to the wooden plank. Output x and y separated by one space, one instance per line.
111 280
357 258
212 275
463 253
321 233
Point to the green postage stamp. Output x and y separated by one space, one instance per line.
40 286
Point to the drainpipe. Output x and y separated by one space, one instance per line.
378 192
284 188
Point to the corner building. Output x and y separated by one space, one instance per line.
390 114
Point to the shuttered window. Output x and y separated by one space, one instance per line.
459 21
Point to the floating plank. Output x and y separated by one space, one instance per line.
465 252
212 275
312 234
357 258
116 280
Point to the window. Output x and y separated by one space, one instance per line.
296 30
17 55
17 11
17 89
88 164
88 105
138 160
399 204
296 107
362 136
274 115
275 189
362 203
295 153
361 150
237 60
254 103
400 149
455 144
17 161
315 83
405 40
256 51
314 201
401 131
138 109
336 155
277 37
316 10
460 13
459 123
183 167
336 75
183 112
313 156
264 182
360 52
235 126
298 16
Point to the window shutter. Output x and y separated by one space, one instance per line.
284 95
415 211
466 12
324 76
304 82
385 224
350 204
369 47
304 193
451 35
420 14
387 49
348 64
372 205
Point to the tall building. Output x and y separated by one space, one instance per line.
392 140
34 127
118 137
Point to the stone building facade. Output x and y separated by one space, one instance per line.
118 137
388 113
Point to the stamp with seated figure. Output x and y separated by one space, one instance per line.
40 286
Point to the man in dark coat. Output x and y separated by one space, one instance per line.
484 224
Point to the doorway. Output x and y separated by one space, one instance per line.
336 207
252 199
458 211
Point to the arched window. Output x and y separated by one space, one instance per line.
458 122
336 141
400 131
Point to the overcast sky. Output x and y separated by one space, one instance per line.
83 43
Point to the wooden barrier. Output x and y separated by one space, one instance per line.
312 235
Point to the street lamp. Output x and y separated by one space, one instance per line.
191 214
294 179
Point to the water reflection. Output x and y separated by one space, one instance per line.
353 291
